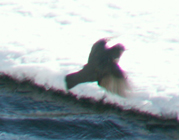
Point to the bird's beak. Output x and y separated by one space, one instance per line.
121 52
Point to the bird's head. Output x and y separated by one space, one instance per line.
116 51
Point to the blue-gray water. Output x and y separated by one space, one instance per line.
30 112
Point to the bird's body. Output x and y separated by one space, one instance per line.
101 67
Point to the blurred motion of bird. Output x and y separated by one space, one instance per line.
102 67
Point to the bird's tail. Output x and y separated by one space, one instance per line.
84 75
72 80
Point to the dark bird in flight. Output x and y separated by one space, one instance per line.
102 67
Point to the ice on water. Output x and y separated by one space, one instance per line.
44 40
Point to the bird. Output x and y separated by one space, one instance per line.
102 67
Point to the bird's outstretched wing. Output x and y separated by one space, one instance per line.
97 50
115 85
115 82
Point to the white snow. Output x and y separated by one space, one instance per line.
44 40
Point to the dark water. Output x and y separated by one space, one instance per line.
30 112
